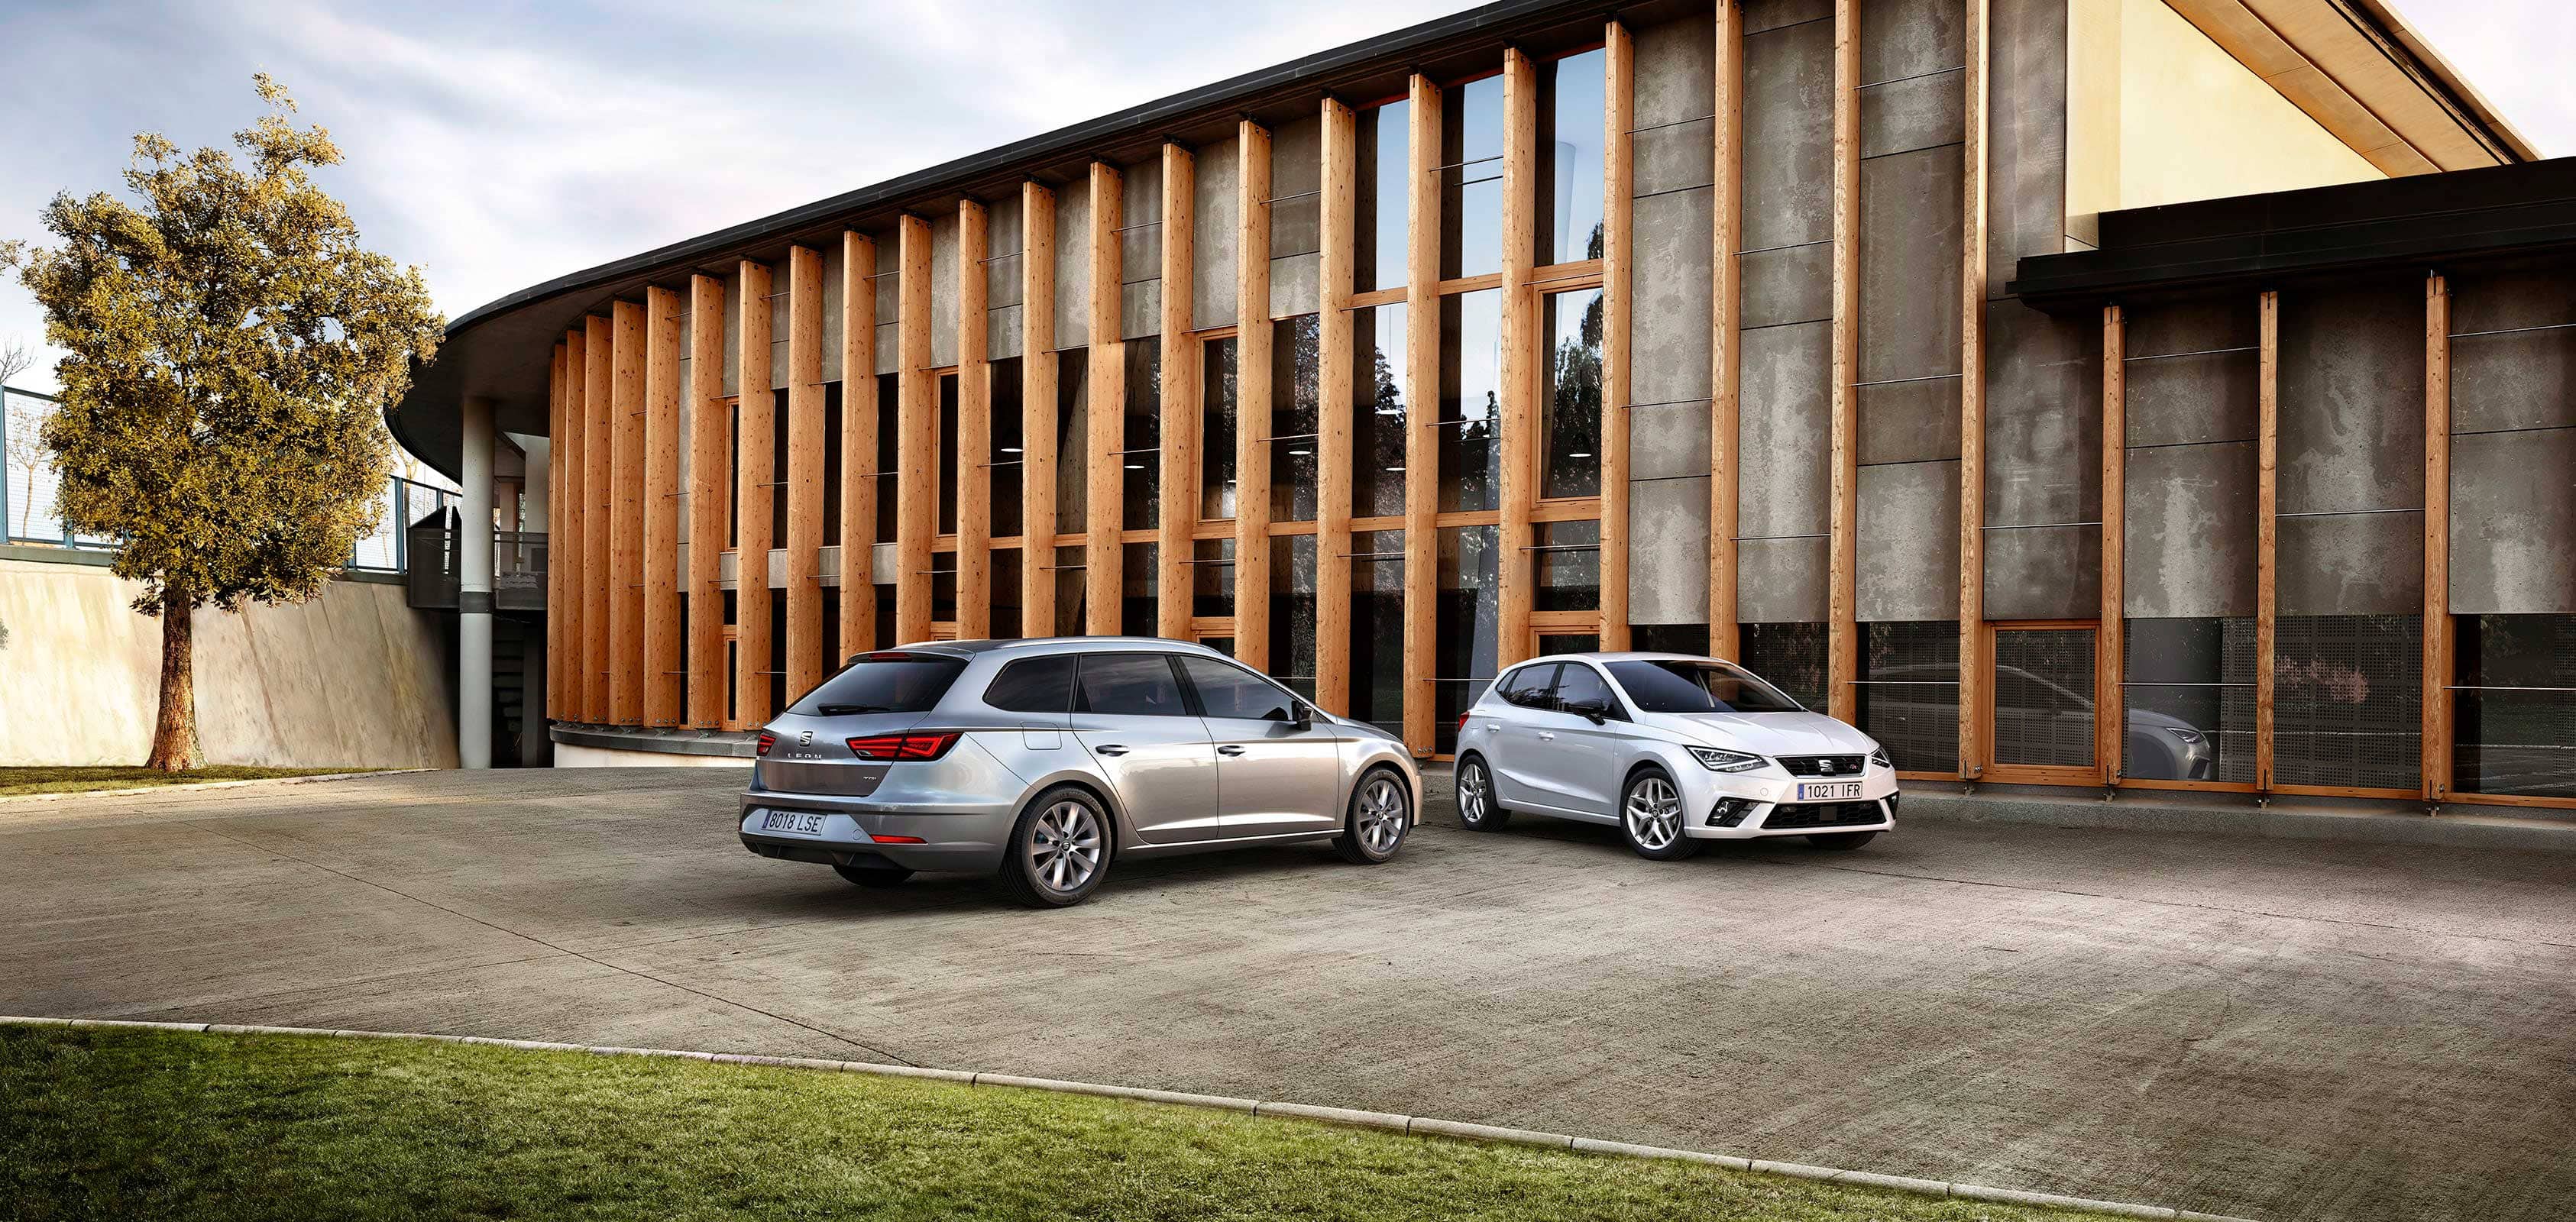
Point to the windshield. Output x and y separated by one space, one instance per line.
884 683
1697 687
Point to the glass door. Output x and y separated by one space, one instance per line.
2039 691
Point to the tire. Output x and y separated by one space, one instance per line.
874 877
1059 850
1841 842
1477 811
1381 812
1651 816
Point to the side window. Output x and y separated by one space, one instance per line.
1231 691
1033 685
1527 687
1129 685
1578 683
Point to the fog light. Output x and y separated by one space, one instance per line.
1729 811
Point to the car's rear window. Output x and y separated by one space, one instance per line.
884 683
1697 687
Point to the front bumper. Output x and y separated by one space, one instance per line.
1727 806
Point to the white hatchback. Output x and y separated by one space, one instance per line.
1671 748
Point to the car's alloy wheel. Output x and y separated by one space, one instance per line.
1651 814
1380 812
1060 850
1476 807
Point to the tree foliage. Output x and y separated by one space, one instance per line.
232 347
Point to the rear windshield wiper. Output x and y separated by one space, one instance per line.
844 710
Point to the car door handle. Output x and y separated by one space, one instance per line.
1546 736
1110 749
1229 749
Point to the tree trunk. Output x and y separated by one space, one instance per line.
174 732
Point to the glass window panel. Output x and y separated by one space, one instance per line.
1034 685
830 635
1292 613
1295 350
1005 469
1217 422
1471 383
885 618
1236 694
1551 644
1568 564
1471 188
1383 201
1669 638
1570 130
889 453
1788 656
1377 412
1377 628
2043 697
1139 581
1004 602
1212 576
1070 610
1144 432
948 458
1129 685
943 587
1072 440
2515 717
1909 691
1468 615
1570 462
2347 700
831 466
2189 688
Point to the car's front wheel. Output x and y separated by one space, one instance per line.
1381 811
1842 842
1476 807
1650 815
1059 851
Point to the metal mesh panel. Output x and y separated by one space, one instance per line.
2347 701
1791 656
2044 697
2190 696
1909 692
2514 710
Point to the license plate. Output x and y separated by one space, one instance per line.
1828 791
792 822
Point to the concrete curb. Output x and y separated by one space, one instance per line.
1417 1125
2458 826
67 795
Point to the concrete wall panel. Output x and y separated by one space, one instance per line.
1788 136
732 331
1909 422
1668 439
1214 243
1760 15
943 290
1669 353
1676 90
2190 531
2043 418
1296 285
2352 399
1791 285
1140 309
1907 565
2513 523
2525 380
1002 332
1909 260
831 288
2044 573
2026 166
1073 264
1296 177
1779 581
1903 116
1668 551
1902 39
889 290
2352 564
1784 413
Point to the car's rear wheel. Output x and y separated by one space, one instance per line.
874 876
1842 842
1381 812
1650 815
1476 808
1059 851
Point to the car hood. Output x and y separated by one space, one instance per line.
1769 733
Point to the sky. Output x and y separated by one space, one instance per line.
500 145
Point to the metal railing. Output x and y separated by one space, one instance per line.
436 555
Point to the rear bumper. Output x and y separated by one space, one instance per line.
966 839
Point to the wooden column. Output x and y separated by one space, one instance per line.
626 527
1518 496
858 443
665 655
2440 634
1972 399
1725 339
1422 408
1334 395
1105 410
974 455
568 536
1180 406
916 498
2267 463
1842 649
1038 371
598 566
562 557
710 495
1618 114
756 481
1253 397
803 479
2109 701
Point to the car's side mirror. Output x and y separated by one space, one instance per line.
1593 709
1301 716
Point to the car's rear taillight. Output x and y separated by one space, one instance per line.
1462 722
767 740
916 745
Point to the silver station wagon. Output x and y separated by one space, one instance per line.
1047 761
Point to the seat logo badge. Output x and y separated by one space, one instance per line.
1825 767
805 739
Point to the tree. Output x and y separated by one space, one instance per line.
232 346
23 421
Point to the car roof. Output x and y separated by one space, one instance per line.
1626 655
1051 644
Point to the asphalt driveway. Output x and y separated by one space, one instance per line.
2277 1029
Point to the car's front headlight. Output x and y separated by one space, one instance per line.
2185 733
1878 756
1718 760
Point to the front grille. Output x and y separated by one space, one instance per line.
1832 814
1821 765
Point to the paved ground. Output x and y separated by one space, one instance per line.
2275 1029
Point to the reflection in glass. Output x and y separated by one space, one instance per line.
1570 130
1788 656
1471 383
1071 612
947 457
2515 715
1217 413
889 453
1550 644
2347 701
943 587
1292 613
1380 214
1212 576
1908 694
1072 440
1003 563
1669 638
831 470
1144 432
1377 412
1570 462
1377 628
1295 354
1568 564
2189 688
1004 473
1471 184
1468 618
1138 585
2043 714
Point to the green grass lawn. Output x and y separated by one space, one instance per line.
69 780
149 1124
